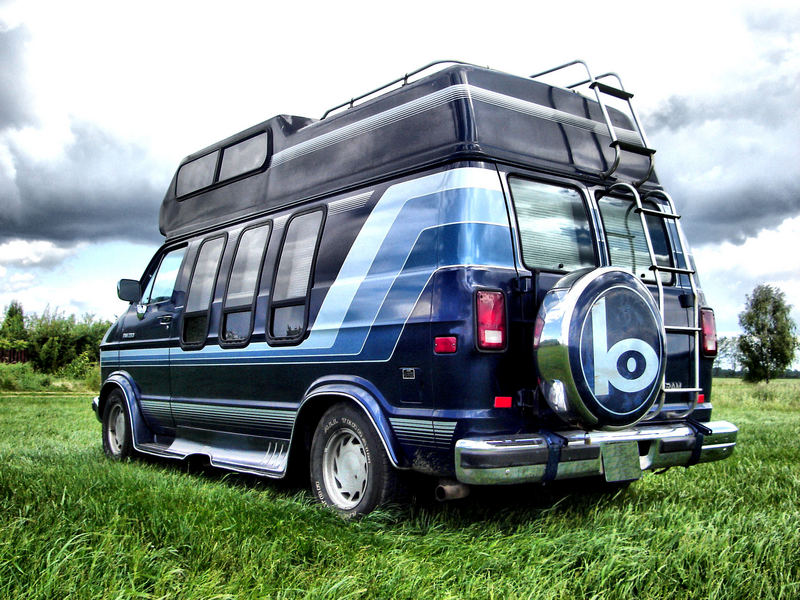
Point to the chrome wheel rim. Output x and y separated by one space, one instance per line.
344 469
116 430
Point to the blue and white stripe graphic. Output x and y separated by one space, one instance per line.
450 218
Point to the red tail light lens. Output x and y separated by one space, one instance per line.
708 332
491 309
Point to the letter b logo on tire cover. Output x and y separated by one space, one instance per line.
607 363
601 351
620 350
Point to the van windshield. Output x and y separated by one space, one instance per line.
553 225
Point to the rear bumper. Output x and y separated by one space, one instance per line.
95 407
547 456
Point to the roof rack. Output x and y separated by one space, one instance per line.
404 79
600 89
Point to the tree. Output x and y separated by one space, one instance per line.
13 327
728 354
769 341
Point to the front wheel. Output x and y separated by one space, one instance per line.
350 471
117 438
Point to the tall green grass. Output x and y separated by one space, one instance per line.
21 377
73 524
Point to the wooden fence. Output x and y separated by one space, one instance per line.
13 356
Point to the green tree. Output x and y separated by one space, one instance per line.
769 341
728 355
13 327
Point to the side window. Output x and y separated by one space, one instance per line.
161 285
197 174
237 320
553 226
289 300
201 288
240 158
627 246
244 156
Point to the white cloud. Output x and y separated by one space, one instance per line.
25 253
729 272
2 271
770 254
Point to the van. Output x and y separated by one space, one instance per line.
468 274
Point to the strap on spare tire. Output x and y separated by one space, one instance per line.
601 352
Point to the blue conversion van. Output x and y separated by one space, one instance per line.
471 275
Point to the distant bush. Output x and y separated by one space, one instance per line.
79 368
20 377
92 379
53 342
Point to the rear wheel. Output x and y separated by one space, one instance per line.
117 438
350 471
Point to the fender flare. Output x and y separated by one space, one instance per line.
364 395
122 381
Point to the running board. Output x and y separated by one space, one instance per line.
266 457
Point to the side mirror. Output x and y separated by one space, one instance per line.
129 290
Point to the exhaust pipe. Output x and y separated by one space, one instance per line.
451 490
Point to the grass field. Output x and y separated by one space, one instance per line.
73 524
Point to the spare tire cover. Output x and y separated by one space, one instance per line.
601 351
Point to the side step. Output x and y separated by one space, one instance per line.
266 457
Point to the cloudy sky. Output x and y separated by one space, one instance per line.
99 101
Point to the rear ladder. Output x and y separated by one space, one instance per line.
693 329
602 89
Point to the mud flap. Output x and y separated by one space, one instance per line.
621 461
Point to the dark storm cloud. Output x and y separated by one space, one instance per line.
15 96
768 103
731 160
101 188
735 213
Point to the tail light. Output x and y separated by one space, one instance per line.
491 322
708 332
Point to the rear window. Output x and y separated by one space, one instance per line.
553 225
627 246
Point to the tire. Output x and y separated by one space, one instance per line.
117 437
350 471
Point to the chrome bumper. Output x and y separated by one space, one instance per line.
95 406
619 455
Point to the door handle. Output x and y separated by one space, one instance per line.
165 320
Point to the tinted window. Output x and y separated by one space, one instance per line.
237 326
553 226
287 321
246 266
237 316
244 156
294 276
195 321
203 278
197 174
627 246
163 284
297 256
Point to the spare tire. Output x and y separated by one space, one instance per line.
600 348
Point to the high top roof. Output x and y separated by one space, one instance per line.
461 112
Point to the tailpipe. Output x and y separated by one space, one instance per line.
451 490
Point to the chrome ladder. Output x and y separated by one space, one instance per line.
603 89
694 328
632 189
